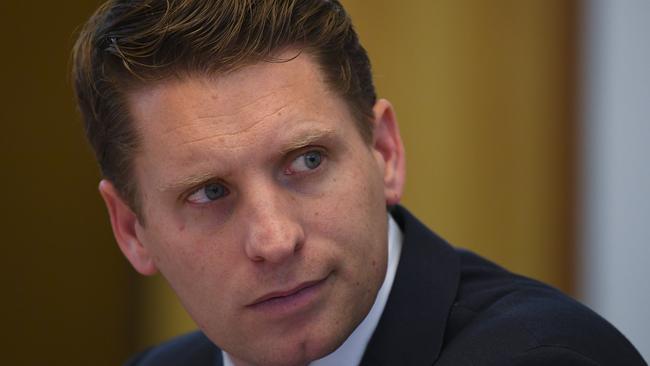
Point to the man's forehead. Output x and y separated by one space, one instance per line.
232 102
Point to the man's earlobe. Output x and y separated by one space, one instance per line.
124 221
387 142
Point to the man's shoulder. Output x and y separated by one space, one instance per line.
452 307
189 349
500 316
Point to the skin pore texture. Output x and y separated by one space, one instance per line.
263 207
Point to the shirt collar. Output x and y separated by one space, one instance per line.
351 351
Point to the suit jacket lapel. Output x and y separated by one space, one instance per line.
411 329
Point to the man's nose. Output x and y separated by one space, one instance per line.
273 234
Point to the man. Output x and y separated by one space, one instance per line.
246 157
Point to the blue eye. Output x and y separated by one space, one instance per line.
208 193
305 162
312 159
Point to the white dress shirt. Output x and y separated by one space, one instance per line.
351 351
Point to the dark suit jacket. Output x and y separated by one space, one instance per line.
452 307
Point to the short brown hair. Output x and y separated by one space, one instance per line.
128 43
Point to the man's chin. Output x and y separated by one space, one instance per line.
276 359
298 354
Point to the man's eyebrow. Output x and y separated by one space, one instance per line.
307 138
189 181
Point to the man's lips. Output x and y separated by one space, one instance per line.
278 295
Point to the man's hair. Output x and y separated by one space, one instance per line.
128 44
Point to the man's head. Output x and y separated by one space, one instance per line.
263 183
128 44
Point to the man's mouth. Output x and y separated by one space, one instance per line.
292 298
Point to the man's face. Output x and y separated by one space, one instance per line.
264 208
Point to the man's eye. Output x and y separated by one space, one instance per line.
208 193
306 162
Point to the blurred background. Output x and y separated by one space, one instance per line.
526 129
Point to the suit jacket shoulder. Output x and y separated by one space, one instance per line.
499 318
486 315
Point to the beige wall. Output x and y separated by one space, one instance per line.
484 93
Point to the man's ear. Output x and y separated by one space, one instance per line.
124 221
389 149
